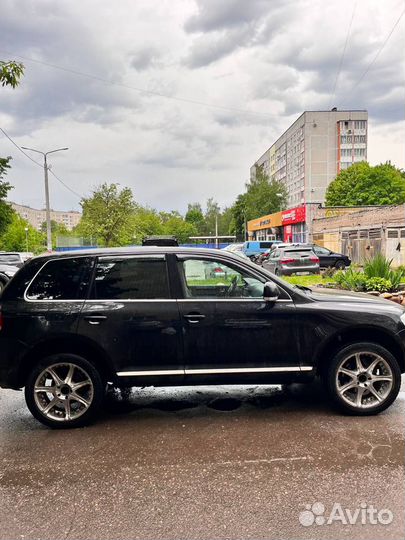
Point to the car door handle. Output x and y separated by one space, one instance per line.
194 317
95 319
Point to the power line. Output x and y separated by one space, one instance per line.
377 55
137 89
342 56
20 149
39 164
66 186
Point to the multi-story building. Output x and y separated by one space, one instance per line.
310 154
37 217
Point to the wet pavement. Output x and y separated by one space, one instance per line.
204 462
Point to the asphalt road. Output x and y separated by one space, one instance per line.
202 463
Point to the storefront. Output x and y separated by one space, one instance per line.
293 222
267 227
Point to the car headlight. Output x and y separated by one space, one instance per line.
402 317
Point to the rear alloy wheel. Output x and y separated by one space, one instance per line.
364 379
64 391
340 265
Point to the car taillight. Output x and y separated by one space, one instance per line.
314 260
286 261
218 270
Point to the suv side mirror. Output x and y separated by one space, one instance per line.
271 292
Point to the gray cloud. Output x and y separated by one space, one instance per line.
144 58
276 58
229 26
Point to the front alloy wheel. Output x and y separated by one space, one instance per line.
64 391
364 379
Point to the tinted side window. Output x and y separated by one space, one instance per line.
9 259
64 279
266 244
321 251
131 279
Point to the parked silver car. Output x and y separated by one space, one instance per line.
289 260
6 273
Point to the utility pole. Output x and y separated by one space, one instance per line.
47 205
48 209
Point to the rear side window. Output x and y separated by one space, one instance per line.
131 279
298 253
266 245
62 279
9 259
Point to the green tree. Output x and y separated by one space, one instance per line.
6 212
362 184
180 228
15 236
10 73
143 222
107 215
211 214
239 216
262 196
58 228
195 216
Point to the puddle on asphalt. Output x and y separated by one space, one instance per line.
221 399
225 404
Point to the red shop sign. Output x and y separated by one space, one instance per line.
294 215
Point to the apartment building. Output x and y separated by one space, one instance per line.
313 150
310 154
37 217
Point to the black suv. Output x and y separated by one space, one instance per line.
71 323
330 259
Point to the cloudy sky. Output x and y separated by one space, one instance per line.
177 98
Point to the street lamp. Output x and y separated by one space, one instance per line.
26 239
48 210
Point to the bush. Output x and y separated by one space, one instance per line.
378 284
329 272
351 280
380 267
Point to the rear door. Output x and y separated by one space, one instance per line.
54 298
131 314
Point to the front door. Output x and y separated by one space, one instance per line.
132 316
229 330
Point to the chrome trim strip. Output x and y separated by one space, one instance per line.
242 370
280 369
128 300
150 373
262 300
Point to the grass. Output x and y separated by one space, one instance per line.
307 281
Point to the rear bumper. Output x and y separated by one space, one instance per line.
11 354
291 271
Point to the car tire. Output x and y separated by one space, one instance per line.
363 379
76 390
340 265
2 285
